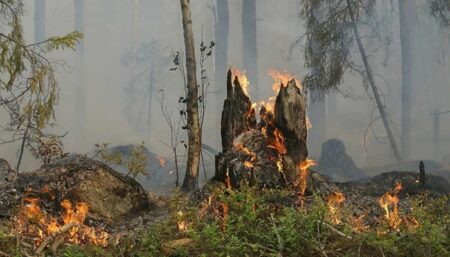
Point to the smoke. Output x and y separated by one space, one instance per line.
114 28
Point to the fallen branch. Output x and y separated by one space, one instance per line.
334 229
52 237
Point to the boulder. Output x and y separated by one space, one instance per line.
111 196
335 163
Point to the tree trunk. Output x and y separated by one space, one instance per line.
376 95
193 122
406 15
80 103
221 53
250 60
39 20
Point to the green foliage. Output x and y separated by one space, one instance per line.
28 88
136 163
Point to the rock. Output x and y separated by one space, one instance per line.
336 164
111 196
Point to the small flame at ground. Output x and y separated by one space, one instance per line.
389 202
33 221
334 200
303 169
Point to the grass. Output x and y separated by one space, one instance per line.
254 222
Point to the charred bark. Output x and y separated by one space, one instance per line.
267 153
290 119
237 114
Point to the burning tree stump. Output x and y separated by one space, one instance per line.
290 119
268 152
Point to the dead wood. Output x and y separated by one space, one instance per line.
51 238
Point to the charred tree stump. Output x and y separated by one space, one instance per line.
267 153
238 116
290 119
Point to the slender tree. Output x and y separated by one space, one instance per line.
250 53
192 109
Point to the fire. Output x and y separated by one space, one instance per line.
278 143
281 78
246 151
162 162
182 225
248 164
243 81
390 199
280 164
334 200
303 169
70 227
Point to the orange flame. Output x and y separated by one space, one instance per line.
334 200
278 143
243 81
390 199
245 150
33 221
281 78
162 162
303 169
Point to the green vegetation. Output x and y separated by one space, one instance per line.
267 222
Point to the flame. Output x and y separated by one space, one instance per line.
278 143
246 151
334 200
228 180
243 81
281 78
248 164
308 123
35 222
390 199
162 162
303 169
280 164
182 225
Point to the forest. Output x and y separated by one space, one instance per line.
224 128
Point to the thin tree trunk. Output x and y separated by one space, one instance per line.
406 15
193 121
380 105
250 58
80 103
221 55
39 20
